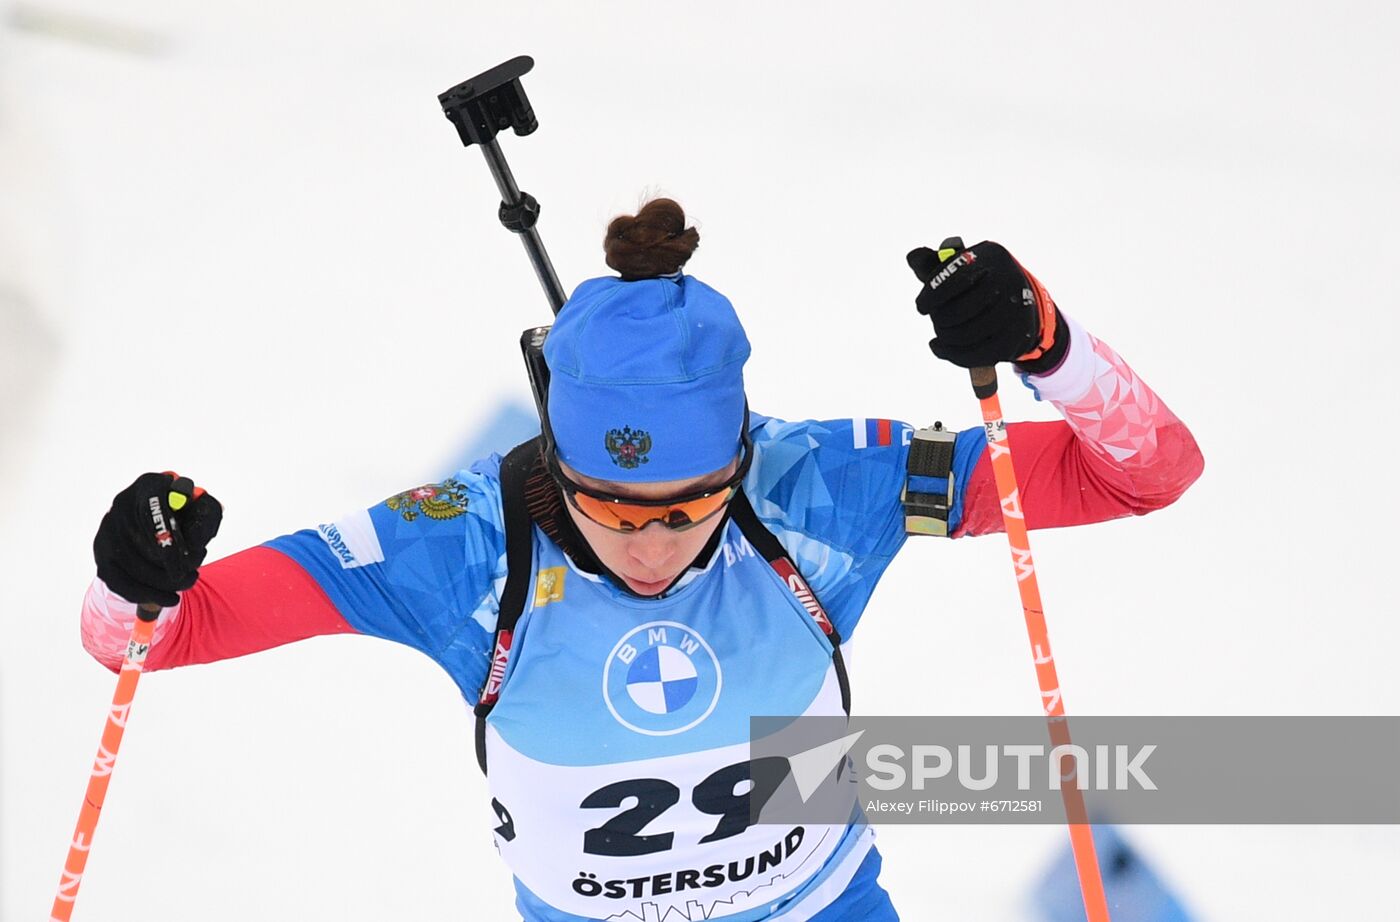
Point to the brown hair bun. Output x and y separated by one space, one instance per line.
651 243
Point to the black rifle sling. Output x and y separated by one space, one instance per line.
771 549
515 470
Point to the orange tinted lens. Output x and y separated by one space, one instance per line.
633 516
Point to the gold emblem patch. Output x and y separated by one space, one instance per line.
549 586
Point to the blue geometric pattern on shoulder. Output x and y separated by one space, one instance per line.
435 583
832 498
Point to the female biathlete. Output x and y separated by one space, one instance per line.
618 596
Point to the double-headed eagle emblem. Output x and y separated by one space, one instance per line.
628 447
437 501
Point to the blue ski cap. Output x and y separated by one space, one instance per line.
646 379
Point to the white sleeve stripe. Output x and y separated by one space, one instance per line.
1075 376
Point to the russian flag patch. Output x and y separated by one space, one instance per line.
870 433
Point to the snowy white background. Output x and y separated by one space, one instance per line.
243 243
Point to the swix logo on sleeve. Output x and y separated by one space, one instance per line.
353 540
163 536
804 594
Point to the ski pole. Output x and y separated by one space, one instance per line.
182 490
1081 837
136 649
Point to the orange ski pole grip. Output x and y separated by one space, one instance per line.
1086 865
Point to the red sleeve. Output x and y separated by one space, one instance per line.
1119 451
250 601
1064 482
254 600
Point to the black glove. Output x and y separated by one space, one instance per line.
986 308
151 542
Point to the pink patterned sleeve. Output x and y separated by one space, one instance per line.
106 624
1120 451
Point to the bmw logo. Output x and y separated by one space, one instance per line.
661 678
